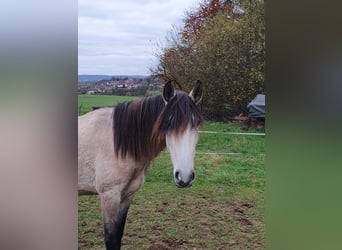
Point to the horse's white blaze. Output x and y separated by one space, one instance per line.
182 151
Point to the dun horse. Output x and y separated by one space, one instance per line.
116 146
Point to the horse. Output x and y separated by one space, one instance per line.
116 146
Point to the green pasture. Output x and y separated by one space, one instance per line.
224 208
86 102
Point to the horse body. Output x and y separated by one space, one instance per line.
116 147
99 169
114 179
93 128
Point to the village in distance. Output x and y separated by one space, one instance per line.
123 85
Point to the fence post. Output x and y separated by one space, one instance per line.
79 109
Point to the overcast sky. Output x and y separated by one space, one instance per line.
119 37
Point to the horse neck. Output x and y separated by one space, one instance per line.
133 126
152 111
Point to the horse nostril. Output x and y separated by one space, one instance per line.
177 176
192 177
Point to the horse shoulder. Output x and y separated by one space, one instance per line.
94 131
124 175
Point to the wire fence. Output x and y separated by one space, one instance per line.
84 109
231 133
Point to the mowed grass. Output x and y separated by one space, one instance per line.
86 102
224 208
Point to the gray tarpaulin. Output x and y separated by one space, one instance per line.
256 108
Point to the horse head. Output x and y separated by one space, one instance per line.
179 121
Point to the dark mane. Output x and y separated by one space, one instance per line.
139 127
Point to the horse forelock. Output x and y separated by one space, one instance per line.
179 113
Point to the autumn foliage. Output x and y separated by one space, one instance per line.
223 44
195 20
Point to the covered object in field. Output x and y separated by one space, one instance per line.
256 108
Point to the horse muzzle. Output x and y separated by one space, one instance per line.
184 182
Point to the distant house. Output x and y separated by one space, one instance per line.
91 92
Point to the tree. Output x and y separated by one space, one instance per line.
196 19
225 48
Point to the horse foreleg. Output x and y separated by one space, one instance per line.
114 212
114 231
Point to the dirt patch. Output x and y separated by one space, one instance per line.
243 216
167 245
187 221
159 246
161 207
242 207
245 221
211 223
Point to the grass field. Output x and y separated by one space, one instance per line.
224 209
85 102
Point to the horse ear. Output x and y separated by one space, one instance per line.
168 91
197 92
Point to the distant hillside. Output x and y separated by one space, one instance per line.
95 78
92 78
